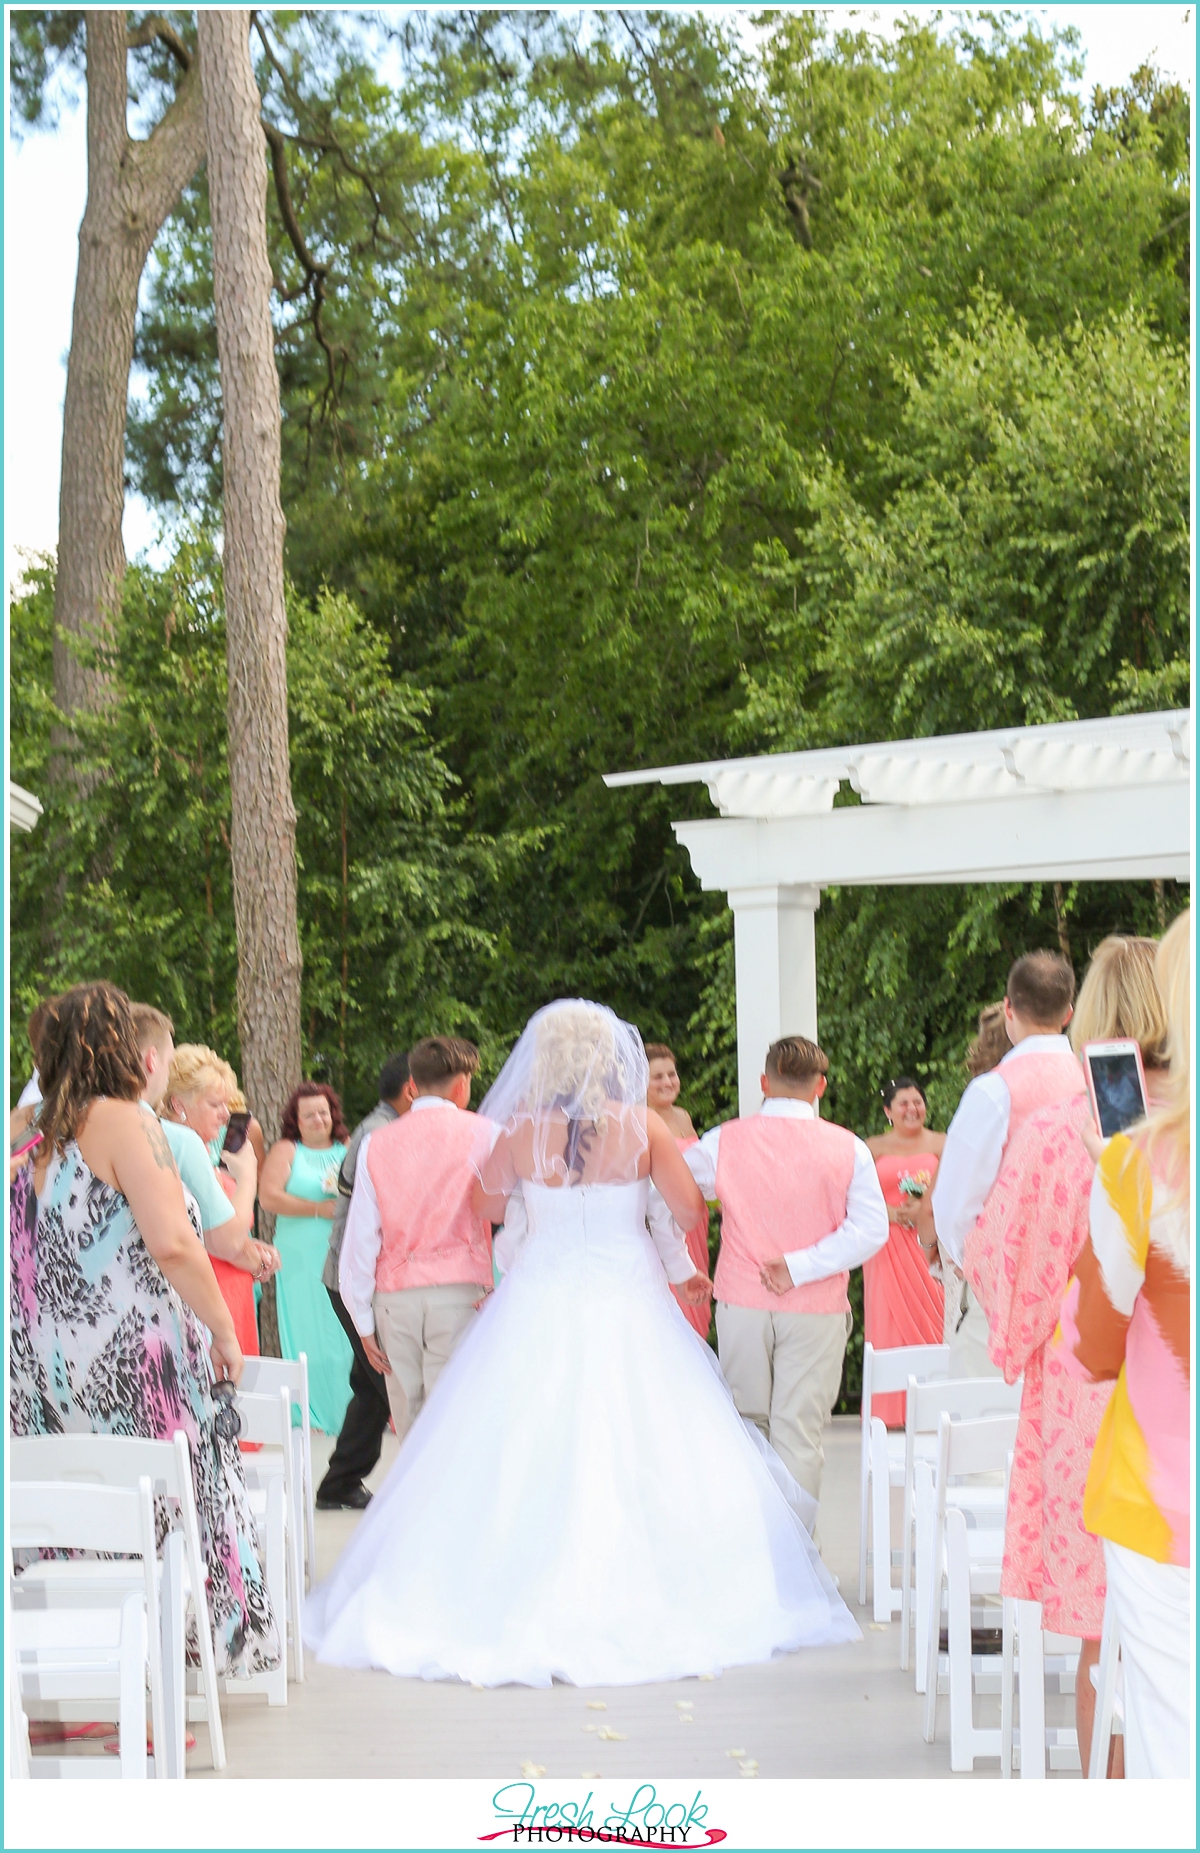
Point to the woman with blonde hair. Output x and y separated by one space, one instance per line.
529 1530
201 1089
991 1043
1127 1318
1018 1261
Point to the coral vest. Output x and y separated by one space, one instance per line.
782 1185
421 1168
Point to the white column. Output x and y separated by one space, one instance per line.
775 955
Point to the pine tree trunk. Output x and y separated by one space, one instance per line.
264 819
132 186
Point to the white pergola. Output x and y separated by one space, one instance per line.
23 808
1101 800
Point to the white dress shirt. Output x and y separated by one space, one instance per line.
865 1229
664 1231
975 1141
364 1233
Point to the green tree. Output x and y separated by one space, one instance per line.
392 909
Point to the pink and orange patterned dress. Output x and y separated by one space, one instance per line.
902 1303
1019 1258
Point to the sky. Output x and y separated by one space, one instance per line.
45 185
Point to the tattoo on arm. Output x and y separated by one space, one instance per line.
164 1157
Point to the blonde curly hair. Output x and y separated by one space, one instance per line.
576 1059
195 1067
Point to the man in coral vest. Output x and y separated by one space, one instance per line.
416 1260
1039 1070
800 1206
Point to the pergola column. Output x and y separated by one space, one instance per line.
775 954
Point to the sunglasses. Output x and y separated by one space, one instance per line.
227 1423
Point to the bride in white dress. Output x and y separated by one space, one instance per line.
579 1498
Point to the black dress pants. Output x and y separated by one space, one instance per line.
364 1425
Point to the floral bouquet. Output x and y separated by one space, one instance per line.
914 1184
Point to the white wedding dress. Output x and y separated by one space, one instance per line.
579 1499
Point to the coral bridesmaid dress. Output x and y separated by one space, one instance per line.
237 1288
902 1303
697 1247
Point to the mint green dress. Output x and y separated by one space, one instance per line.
307 1321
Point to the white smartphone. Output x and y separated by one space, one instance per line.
1116 1082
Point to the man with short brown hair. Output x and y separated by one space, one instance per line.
416 1258
801 1205
1039 1069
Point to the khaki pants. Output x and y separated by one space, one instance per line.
417 1328
784 1370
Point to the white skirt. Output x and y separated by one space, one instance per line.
578 1500
1154 1621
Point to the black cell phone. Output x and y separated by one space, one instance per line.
1116 1083
235 1132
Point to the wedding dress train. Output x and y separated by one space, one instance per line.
579 1499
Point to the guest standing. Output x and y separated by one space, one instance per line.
191 1086
662 1093
986 1052
991 1043
358 1447
111 1290
31 1093
1040 1068
1018 1259
902 1303
1127 1315
299 1188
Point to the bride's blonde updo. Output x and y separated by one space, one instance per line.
576 1060
569 1105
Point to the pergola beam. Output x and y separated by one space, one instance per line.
1107 799
1116 835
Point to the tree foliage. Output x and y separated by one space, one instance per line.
394 926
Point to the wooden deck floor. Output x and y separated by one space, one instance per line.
842 1711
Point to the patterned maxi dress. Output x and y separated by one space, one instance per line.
102 1344
1019 1259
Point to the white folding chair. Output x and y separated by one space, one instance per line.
100 1652
965 1399
1110 1707
881 1462
121 1460
1033 1663
18 1723
968 1565
270 1481
269 1375
67 1653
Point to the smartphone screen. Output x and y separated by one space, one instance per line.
1116 1089
235 1132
